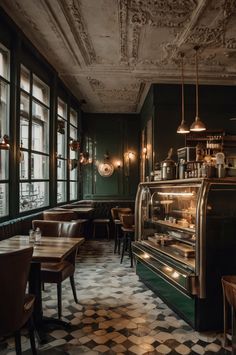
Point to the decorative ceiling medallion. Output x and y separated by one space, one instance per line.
105 169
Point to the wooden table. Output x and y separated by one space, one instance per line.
82 209
49 249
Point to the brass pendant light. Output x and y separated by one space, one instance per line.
197 125
183 127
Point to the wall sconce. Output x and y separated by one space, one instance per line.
5 142
118 164
74 145
84 158
129 157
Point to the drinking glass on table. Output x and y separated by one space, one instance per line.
31 236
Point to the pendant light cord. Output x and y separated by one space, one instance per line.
182 71
196 63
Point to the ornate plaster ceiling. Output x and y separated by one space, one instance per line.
109 51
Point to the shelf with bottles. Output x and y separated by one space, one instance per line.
215 140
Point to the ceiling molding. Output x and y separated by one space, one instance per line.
59 31
110 55
72 12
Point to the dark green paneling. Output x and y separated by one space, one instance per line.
163 104
115 135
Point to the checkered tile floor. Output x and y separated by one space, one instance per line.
116 314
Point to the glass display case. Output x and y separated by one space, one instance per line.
185 241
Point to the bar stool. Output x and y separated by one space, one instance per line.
128 236
115 213
229 298
99 222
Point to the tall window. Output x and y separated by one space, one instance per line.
61 151
34 141
4 129
73 159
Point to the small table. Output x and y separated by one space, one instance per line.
49 249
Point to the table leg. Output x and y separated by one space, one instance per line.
42 324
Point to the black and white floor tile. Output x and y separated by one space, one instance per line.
116 314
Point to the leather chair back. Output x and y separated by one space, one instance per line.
116 211
127 220
14 268
48 228
58 228
62 215
70 229
229 287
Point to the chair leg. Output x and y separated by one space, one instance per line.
59 299
108 231
31 335
123 248
72 282
225 318
18 342
94 230
130 252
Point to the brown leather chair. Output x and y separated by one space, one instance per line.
229 298
58 272
115 213
62 215
15 306
127 228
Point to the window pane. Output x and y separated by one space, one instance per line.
61 191
73 190
4 108
4 62
4 207
24 79
73 136
61 139
61 169
24 165
62 108
73 169
40 128
40 90
33 195
24 121
4 159
39 166
73 117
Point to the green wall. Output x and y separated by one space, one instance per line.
116 135
163 106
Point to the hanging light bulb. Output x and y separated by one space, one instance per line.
197 125
183 127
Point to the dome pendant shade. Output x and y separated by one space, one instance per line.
197 125
183 127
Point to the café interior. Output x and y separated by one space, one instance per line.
117 177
